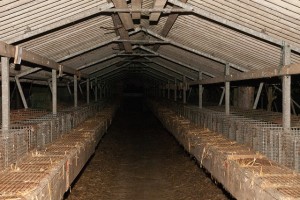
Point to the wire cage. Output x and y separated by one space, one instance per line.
260 130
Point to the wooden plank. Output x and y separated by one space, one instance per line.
291 69
7 50
136 4
168 25
157 4
125 17
123 33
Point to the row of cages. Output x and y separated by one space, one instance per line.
32 132
262 135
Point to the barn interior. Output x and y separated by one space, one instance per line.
150 99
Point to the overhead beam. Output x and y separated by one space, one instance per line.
144 41
136 4
136 54
27 72
291 69
200 53
165 73
122 32
96 62
157 4
136 30
101 74
174 70
125 17
7 50
231 24
175 61
168 25
148 10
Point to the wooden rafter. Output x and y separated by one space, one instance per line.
120 31
136 4
157 4
168 25
125 17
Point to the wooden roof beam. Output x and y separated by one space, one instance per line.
168 25
125 17
157 4
122 32
136 4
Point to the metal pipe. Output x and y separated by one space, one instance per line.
54 92
227 91
88 91
258 95
5 93
21 92
75 92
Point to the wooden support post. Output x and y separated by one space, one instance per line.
184 90
88 91
175 90
75 91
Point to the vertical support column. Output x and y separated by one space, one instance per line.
88 91
175 90
286 91
75 91
227 91
96 89
54 92
200 91
184 90
5 94
168 89
100 91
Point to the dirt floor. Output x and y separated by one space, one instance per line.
139 159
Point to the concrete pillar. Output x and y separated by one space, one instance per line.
286 91
227 91
88 91
200 104
75 91
175 90
54 92
96 90
184 90
5 94
168 89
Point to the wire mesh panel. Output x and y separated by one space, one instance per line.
13 146
258 129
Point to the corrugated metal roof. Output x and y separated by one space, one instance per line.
77 31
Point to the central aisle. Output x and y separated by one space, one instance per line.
139 159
